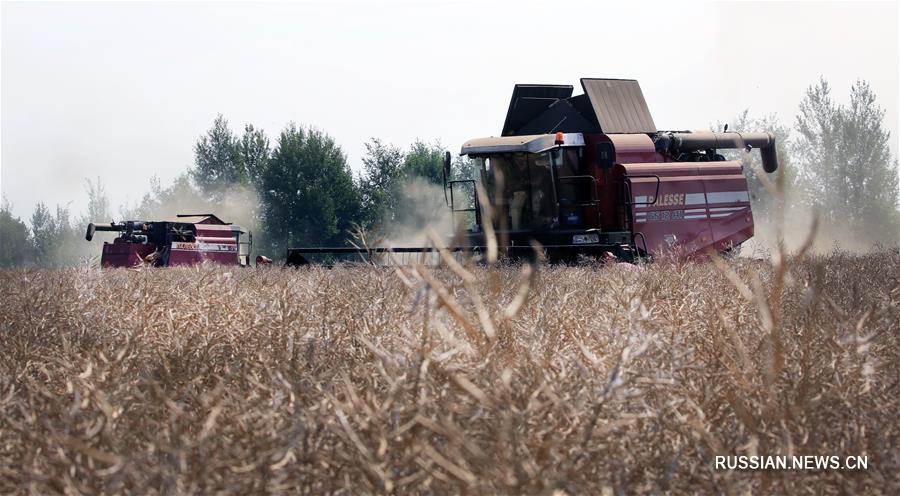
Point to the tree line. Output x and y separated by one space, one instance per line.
836 161
300 189
296 190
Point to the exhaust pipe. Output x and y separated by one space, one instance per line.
691 142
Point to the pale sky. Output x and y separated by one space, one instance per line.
123 90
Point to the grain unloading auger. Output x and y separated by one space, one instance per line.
591 174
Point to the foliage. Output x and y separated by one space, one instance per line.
381 182
217 163
254 152
15 239
845 164
307 191
394 181
54 238
425 161
98 202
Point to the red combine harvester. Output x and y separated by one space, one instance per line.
188 240
590 174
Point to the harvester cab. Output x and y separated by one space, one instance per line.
186 240
591 174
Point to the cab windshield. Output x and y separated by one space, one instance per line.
528 190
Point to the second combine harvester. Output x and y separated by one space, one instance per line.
589 174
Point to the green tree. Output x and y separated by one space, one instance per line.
872 174
53 235
253 150
74 247
43 232
381 182
217 160
307 191
818 128
393 181
98 202
425 161
845 163
15 240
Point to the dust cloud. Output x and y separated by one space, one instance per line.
795 229
421 207
782 214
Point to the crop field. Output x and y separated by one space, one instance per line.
476 380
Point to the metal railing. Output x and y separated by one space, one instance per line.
628 189
595 194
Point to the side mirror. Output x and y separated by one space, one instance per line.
89 234
605 155
446 166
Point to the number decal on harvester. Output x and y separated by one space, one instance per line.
660 216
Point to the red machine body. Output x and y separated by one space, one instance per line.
697 206
187 240
591 173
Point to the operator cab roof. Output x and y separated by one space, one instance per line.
536 143
199 219
538 111
610 106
